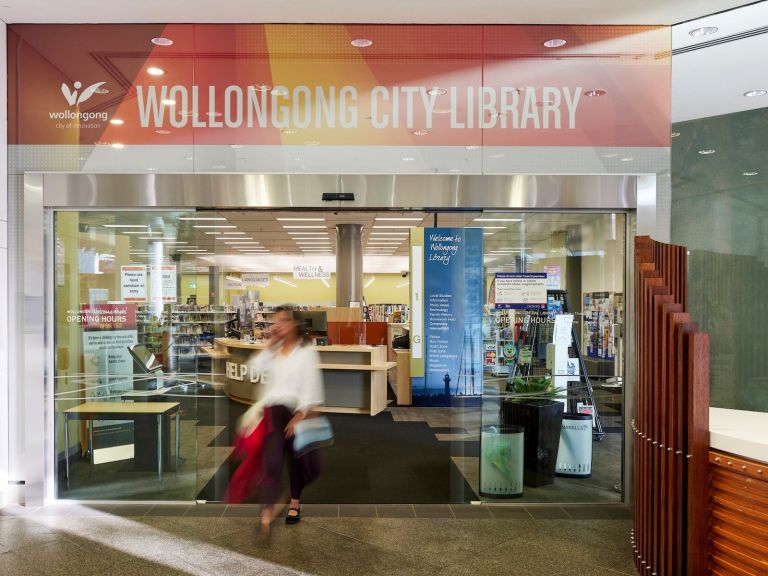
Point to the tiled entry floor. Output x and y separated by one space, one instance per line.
331 540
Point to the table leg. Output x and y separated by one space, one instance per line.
160 447
66 446
90 443
178 444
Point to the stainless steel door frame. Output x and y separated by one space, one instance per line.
32 331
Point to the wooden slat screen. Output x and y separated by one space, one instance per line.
671 423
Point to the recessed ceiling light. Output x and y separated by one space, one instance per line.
143 232
151 169
675 134
437 91
707 152
392 226
471 147
213 114
235 146
217 226
280 91
703 31
555 43
189 113
749 173
201 218
155 71
488 233
213 233
595 93
118 145
441 110
305 233
482 219
126 226
361 42
161 41
117 121
399 218
496 156
233 238
494 228
753 93
420 132
300 219
307 238
609 155
289 132
626 159
408 159
311 143
303 226
455 170
231 232
219 167
164 133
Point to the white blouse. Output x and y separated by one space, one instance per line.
293 380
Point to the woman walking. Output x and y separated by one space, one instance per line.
292 387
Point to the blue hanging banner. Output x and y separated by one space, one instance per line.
453 316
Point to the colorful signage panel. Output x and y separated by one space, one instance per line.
307 85
453 316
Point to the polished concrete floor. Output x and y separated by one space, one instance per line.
357 540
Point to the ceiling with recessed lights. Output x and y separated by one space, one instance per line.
334 11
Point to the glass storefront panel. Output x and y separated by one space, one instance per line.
552 412
158 314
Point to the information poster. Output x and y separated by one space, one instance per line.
553 277
166 276
233 283
599 322
521 290
453 316
108 331
133 282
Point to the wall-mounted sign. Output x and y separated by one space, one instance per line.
521 290
166 277
233 283
306 84
311 272
133 283
255 278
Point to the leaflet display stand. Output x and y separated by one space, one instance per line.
535 332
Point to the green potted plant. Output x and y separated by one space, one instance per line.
531 403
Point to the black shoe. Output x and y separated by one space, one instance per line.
293 518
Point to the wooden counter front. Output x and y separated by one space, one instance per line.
354 376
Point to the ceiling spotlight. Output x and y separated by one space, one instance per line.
703 31
280 91
408 159
749 173
118 145
160 41
593 93
261 87
753 93
168 102
361 42
707 152
420 132
675 134
164 133
155 71
471 147
455 170
235 146
117 121
289 131
555 43
626 159
437 91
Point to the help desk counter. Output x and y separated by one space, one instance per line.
355 376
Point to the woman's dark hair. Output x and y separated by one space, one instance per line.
301 330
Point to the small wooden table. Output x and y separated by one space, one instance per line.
123 411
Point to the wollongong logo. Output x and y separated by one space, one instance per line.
73 99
